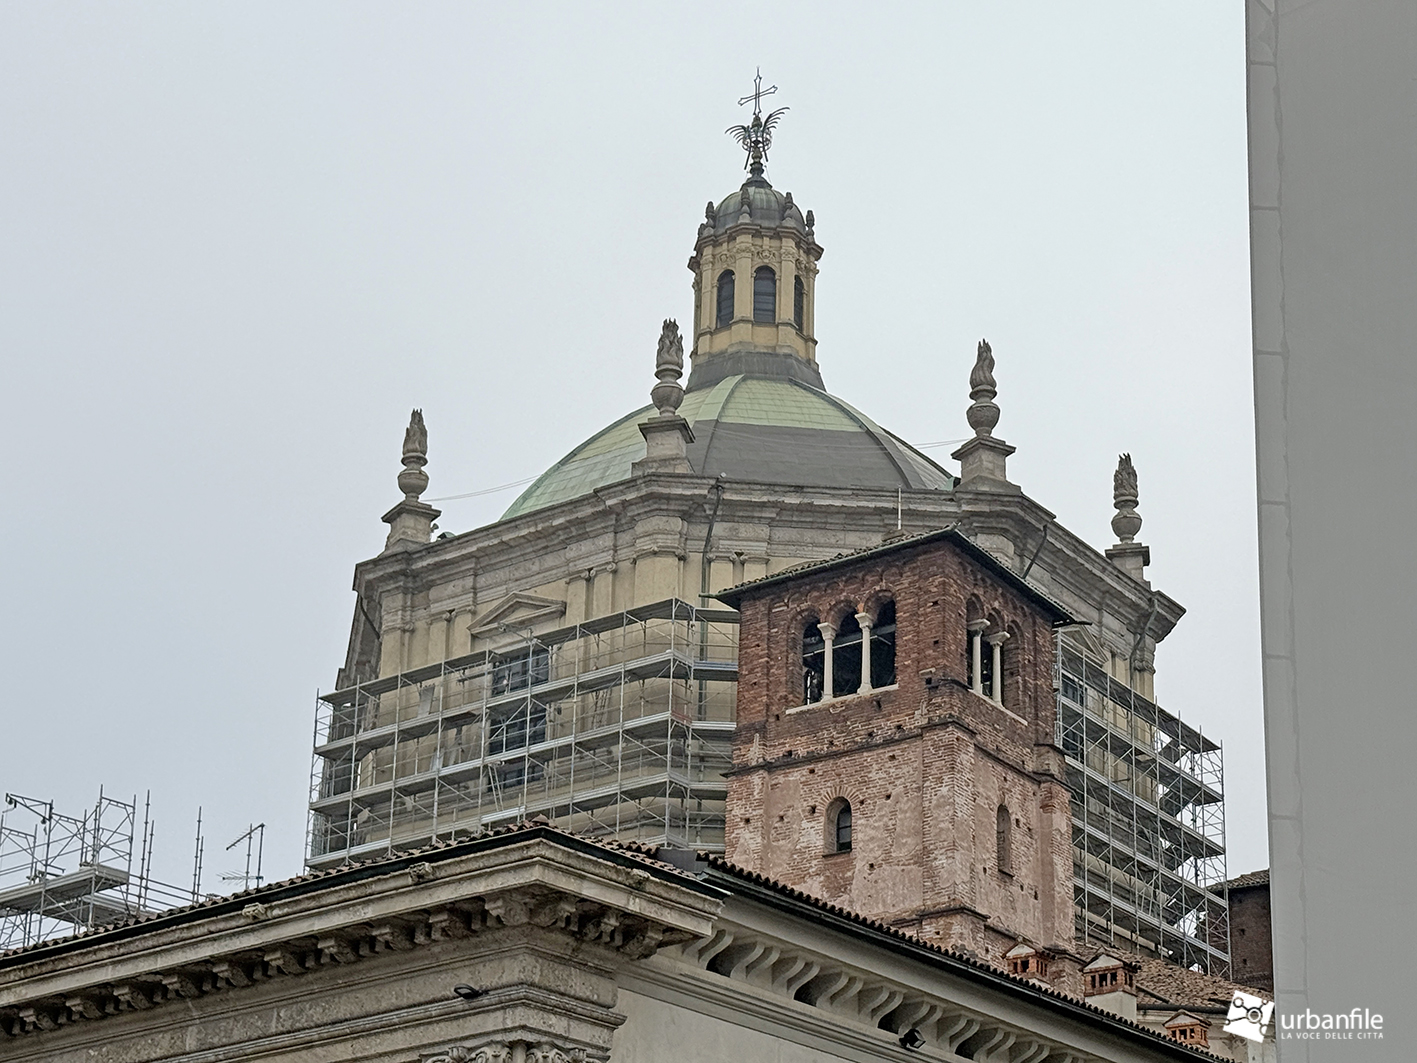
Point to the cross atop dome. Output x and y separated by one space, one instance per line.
756 136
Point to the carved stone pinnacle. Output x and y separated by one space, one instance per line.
1127 521
982 414
413 481
668 367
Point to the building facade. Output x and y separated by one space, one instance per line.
569 660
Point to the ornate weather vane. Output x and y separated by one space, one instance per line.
756 137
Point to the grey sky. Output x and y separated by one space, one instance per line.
241 241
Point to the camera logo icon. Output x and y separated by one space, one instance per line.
1249 1016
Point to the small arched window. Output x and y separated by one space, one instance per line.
883 647
799 303
725 298
1003 840
764 295
839 827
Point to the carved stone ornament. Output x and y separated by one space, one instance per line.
502 1052
415 436
413 481
668 367
1127 521
983 414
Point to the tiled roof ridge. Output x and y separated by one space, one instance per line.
953 531
1250 878
844 555
1158 977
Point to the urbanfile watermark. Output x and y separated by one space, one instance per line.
1253 1017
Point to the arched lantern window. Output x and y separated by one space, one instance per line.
725 298
799 303
764 295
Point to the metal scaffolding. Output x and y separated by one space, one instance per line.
63 874
620 725
1148 819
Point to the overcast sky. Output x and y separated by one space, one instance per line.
240 241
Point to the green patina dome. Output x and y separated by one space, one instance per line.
760 429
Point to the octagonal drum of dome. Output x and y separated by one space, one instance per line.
755 429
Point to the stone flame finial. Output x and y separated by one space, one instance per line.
668 367
1127 521
983 459
982 414
413 481
668 435
411 520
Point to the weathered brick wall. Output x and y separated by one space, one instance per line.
925 764
1251 941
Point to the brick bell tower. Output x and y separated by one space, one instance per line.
894 750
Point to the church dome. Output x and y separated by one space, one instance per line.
760 429
766 208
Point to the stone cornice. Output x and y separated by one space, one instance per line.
839 980
548 882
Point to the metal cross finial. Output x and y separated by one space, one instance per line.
758 93
755 137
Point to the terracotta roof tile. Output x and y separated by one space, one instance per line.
1253 878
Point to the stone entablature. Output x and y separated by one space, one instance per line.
366 958
568 952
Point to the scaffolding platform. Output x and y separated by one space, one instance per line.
1148 810
63 874
620 725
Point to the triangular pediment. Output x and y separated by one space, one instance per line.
516 613
1184 1018
1103 962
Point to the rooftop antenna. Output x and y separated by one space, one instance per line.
898 505
197 860
756 136
255 835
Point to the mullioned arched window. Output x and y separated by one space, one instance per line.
814 663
